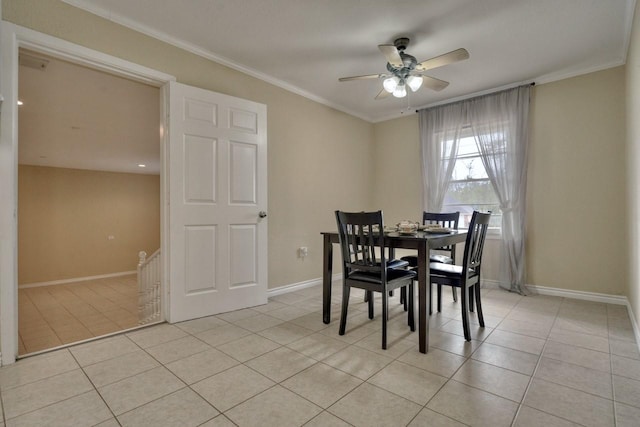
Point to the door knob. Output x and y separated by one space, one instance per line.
262 214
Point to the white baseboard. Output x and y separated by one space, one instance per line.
77 279
565 293
582 295
299 286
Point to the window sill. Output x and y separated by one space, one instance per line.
492 233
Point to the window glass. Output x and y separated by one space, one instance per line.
470 188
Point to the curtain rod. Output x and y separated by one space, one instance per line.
476 96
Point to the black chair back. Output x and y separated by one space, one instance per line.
448 219
475 242
362 242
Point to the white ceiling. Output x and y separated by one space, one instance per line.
79 118
305 46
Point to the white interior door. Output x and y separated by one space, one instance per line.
217 176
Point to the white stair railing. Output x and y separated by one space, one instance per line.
149 287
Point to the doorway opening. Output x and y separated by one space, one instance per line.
89 203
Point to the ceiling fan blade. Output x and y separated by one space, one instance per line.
445 59
368 76
433 83
392 55
383 94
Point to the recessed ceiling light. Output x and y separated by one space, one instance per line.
142 165
20 102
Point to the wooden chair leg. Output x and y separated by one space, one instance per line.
479 304
454 291
403 297
471 298
465 314
385 309
439 292
345 303
411 297
430 300
370 300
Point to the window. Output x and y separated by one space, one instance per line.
470 188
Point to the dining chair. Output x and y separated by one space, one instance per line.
446 220
364 265
465 276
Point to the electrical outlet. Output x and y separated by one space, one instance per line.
303 251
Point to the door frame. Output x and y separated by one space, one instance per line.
13 37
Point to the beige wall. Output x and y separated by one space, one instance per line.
576 204
633 164
577 184
319 159
65 218
398 180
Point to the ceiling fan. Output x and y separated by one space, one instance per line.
404 70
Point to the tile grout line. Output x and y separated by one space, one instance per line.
276 383
535 370
4 416
613 388
354 344
240 363
521 403
467 358
147 370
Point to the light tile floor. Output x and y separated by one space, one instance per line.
50 316
540 361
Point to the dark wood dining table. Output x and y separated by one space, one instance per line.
421 241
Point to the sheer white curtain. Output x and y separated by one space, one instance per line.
500 124
440 129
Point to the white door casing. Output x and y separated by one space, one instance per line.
12 37
217 176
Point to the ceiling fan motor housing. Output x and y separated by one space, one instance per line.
401 43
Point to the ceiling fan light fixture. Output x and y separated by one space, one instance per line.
414 82
401 91
390 84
